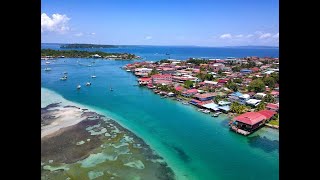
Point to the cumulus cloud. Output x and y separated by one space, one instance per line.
148 37
265 35
249 35
79 34
56 23
276 36
93 33
226 36
239 36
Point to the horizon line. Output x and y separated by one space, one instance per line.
165 45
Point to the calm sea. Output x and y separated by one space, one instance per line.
195 145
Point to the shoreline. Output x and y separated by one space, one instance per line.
113 133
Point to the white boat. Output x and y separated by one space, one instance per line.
185 103
128 70
65 72
47 69
88 84
79 86
47 62
216 114
206 111
93 76
63 78
200 110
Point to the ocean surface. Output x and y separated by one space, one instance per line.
195 145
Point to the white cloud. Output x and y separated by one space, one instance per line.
226 36
265 35
93 33
249 35
239 36
79 34
276 36
148 37
58 23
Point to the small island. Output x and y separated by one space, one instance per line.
77 46
45 53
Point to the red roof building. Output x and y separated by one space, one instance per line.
161 78
275 93
179 88
272 107
255 69
248 122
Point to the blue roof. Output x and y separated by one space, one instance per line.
245 70
236 94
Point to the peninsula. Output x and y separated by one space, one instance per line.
45 53
78 46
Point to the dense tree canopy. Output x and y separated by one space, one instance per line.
269 81
261 106
82 54
268 98
188 84
237 108
231 85
257 85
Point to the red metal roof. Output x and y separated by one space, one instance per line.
253 118
161 75
144 79
272 106
179 88
267 113
191 91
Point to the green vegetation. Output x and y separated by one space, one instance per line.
231 85
82 54
236 69
250 64
274 122
153 72
188 84
165 61
261 106
69 46
197 61
269 81
238 108
237 80
268 98
257 85
275 76
217 99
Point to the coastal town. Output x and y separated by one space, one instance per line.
246 89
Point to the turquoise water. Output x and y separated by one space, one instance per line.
195 145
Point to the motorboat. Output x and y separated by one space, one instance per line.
79 86
47 62
88 84
47 69
93 76
206 111
216 114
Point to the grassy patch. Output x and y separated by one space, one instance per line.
274 122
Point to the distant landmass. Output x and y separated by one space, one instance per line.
72 46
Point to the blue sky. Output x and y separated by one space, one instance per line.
161 22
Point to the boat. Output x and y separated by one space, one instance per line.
201 110
65 72
63 78
47 62
185 103
93 76
79 86
88 84
128 70
216 114
206 111
47 69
